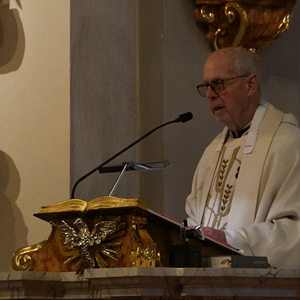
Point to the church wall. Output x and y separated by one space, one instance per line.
34 119
103 92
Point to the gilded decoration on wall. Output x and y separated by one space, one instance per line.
253 24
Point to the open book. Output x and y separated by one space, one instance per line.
79 205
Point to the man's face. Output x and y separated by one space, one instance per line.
231 107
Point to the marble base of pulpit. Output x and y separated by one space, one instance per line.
153 284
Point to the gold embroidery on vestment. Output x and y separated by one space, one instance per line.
224 192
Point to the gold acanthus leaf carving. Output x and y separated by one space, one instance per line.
248 23
21 259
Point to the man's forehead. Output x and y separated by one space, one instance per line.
221 58
217 69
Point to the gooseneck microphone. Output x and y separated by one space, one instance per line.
182 118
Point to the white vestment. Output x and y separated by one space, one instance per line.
264 218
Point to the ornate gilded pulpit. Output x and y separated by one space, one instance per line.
107 232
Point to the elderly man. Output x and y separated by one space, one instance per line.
246 188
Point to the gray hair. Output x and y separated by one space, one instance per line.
245 62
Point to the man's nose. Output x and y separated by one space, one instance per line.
210 93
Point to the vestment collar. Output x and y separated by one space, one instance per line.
255 124
240 133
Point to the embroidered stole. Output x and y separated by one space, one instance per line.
221 192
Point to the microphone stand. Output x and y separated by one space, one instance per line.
182 118
132 166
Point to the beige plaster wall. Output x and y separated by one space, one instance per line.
34 118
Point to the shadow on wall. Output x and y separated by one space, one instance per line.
12 39
12 225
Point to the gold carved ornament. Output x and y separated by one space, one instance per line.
91 243
248 23
21 259
146 254
91 247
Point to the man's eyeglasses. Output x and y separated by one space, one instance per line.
217 85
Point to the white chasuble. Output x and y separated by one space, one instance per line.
262 214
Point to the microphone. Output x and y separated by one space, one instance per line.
182 118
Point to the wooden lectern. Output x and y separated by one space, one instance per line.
107 232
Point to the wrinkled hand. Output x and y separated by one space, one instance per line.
218 235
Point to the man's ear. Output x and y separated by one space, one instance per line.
253 84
